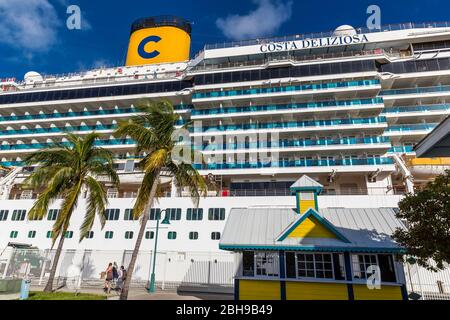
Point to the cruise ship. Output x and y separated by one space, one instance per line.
344 107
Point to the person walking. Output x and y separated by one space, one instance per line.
108 278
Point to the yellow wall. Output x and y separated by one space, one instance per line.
311 228
430 161
362 292
305 205
259 290
174 46
316 291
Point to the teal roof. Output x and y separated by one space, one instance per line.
357 230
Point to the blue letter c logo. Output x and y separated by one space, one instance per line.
141 49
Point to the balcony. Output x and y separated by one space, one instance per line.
289 125
57 115
357 103
284 90
297 163
295 143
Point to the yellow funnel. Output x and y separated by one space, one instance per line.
162 39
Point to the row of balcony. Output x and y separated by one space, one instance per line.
296 163
435 107
98 127
304 87
292 124
85 113
293 143
278 107
412 127
415 90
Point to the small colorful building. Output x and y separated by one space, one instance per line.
311 254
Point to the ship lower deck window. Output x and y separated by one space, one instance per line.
194 214
109 234
53 214
90 235
215 235
68 235
129 235
49 234
149 234
4 215
31 234
112 214
155 214
216 214
13 234
18 215
172 235
174 213
129 215
193 235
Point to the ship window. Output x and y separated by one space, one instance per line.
194 214
112 214
4 215
13 234
149 234
68 235
172 235
90 235
18 215
155 214
129 234
49 234
31 234
193 235
129 215
215 235
216 214
109 234
174 213
53 214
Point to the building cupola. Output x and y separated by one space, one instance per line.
306 191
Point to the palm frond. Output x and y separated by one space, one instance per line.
96 204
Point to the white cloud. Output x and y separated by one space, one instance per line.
30 25
265 20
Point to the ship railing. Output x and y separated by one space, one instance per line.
297 37
294 58
65 81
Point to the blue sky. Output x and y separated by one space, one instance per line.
34 36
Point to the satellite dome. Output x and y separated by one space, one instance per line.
344 30
32 76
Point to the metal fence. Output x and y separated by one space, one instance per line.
428 284
213 272
83 268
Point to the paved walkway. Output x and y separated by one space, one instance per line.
142 294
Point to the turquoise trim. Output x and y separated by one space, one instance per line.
315 200
322 220
317 190
312 248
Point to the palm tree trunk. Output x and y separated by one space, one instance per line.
126 285
49 285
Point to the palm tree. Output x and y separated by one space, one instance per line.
153 130
64 171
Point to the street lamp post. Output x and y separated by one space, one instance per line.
152 286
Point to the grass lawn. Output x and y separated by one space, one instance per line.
64 296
